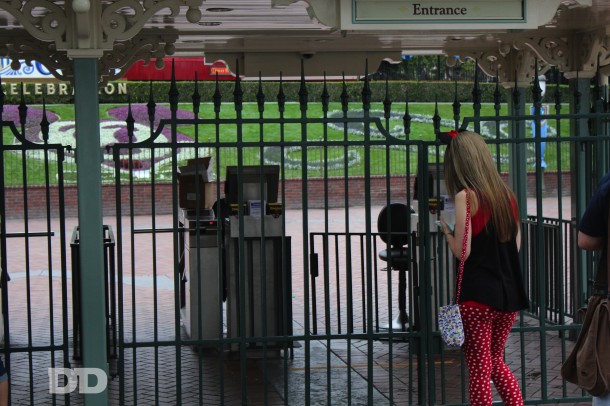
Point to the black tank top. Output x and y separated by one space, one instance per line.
492 272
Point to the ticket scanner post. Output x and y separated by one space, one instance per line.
202 279
258 257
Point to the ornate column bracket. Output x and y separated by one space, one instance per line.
31 49
505 56
572 51
587 50
145 46
48 28
85 28
119 24
502 60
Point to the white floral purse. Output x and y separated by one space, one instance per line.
449 317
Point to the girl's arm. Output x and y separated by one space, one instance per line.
587 242
456 239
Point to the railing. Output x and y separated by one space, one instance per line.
558 268
340 260
351 297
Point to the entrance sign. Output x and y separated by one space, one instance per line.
447 15
427 10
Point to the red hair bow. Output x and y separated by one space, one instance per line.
446 138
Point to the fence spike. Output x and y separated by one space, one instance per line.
344 95
516 96
497 94
476 97
260 95
238 92
281 96
387 103
436 119
366 88
217 97
303 96
130 121
196 97
44 123
599 102
174 95
476 89
325 97
536 90
23 108
406 118
557 92
151 106
456 106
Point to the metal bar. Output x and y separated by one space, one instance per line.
90 218
30 234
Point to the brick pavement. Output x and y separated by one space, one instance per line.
335 369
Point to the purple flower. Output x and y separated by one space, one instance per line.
32 120
139 112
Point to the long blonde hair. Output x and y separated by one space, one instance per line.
469 165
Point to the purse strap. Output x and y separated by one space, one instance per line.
602 278
458 286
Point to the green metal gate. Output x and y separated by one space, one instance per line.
298 304
331 289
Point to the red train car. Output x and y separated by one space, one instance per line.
185 69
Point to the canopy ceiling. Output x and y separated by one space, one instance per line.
272 36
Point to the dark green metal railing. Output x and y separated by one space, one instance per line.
307 297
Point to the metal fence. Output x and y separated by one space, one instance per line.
297 303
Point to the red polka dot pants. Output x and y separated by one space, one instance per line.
486 331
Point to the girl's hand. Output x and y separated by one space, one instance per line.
445 228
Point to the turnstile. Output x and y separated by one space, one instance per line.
202 311
259 302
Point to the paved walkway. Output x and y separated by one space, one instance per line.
324 372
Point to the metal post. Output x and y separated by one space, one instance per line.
581 188
518 162
88 159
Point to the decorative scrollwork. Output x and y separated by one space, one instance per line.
554 51
590 46
56 30
30 50
147 45
123 19
48 23
510 63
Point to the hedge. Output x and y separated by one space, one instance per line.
398 91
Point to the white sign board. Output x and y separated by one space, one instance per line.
36 70
402 11
466 15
